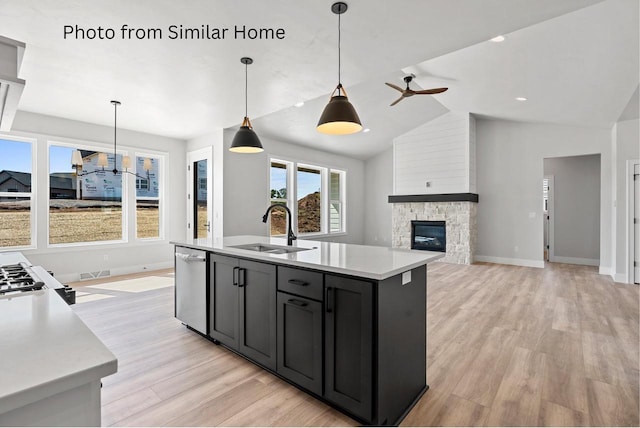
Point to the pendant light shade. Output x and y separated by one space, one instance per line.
246 140
339 117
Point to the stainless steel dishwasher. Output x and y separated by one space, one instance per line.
191 288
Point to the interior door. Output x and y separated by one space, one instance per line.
636 223
199 193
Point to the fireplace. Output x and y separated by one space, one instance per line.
428 235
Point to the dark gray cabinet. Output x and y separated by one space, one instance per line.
359 344
349 344
243 307
300 341
223 296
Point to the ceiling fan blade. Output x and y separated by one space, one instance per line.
431 91
397 88
397 101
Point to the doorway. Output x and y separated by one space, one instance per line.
572 230
199 193
634 221
547 212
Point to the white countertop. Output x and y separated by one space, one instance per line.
45 348
359 260
12 258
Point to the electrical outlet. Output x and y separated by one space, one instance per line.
105 257
428 183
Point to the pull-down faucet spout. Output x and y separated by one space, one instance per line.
290 236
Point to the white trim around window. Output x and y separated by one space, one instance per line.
326 202
33 224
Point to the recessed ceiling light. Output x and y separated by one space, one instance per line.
299 104
498 39
521 99
366 130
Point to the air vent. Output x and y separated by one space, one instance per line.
95 275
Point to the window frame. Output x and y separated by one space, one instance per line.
325 189
84 145
33 223
161 199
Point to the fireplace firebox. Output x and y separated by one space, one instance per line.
428 235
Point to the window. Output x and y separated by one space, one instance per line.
279 194
16 215
147 197
309 185
336 204
85 207
318 207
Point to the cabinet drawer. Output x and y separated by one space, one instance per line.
301 282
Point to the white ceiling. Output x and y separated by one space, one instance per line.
573 67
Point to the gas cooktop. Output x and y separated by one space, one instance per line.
19 278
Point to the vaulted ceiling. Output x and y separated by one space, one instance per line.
575 60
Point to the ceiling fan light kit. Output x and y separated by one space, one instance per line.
339 117
246 140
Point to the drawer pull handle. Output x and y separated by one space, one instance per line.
298 282
298 302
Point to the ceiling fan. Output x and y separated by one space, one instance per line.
410 92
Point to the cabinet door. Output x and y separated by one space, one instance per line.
300 341
257 287
223 319
349 344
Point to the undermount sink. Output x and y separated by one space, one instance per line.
271 249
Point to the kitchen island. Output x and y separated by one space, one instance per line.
345 323
52 363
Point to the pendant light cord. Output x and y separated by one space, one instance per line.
115 135
246 88
339 56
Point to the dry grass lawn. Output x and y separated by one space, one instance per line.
70 225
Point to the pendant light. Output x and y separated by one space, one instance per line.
246 140
339 117
103 162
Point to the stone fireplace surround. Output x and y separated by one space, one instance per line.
460 217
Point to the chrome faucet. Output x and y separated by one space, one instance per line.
290 236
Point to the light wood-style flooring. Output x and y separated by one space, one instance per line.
507 346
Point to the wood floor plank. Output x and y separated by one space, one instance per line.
566 316
555 415
565 384
609 406
602 359
485 372
517 402
457 411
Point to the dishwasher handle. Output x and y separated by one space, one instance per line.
191 257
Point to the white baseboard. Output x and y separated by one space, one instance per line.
606 270
510 261
115 271
575 261
621 277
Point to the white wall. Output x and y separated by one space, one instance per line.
510 171
576 208
120 258
627 147
213 140
378 210
246 187
439 152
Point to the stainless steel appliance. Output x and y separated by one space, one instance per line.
191 288
21 277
